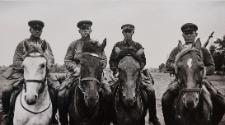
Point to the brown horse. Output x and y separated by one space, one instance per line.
193 105
129 100
87 105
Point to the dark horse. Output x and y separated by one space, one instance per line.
193 105
87 105
129 99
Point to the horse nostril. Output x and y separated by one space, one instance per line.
190 104
196 99
36 96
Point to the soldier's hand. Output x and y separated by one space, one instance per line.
76 70
116 74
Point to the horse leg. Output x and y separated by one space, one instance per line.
167 108
218 110
63 104
152 108
53 96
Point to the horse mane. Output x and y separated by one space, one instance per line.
130 52
185 51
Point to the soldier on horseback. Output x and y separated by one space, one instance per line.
189 35
15 72
74 50
147 80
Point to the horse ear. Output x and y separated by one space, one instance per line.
117 50
44 46
198 44
102 46
26 46
180 46
140 52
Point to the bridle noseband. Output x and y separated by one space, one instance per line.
181 54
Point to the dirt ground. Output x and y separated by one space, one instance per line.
161 82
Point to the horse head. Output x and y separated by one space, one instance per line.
35 71
189 69
129 74
91 68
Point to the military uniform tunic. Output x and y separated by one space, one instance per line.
29 44
129 44
75 49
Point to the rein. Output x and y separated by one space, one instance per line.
86 120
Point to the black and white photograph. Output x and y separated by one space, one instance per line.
112 62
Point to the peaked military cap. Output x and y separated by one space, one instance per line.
127 27
37 24
84 24
189 27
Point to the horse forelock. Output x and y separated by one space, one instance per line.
128 63
184 52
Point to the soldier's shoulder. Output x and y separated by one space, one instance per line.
95 41
22 42
74 42
118 43
175 49
137 43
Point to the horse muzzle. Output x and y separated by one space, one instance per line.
190 100
91 101
31 100
130 101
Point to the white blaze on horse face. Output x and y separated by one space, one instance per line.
189 63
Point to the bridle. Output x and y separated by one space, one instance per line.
34 80
181 54
42 82
89 78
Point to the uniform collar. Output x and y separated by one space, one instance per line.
35 39
86 38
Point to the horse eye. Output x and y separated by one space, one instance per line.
77 61
42 65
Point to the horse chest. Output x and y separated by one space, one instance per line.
23 117
130 115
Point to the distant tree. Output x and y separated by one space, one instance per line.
162 67
212 48
220 45
217 49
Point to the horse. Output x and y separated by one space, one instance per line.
33 105
87 100
130 101
193 105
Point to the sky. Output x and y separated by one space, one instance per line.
157 23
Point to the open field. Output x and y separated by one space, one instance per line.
161 82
